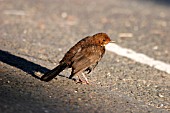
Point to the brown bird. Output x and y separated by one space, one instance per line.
82 57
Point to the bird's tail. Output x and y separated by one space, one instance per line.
54 72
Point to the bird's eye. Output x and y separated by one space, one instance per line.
104 40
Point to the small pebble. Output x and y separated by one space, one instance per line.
160 95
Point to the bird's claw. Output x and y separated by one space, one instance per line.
82 82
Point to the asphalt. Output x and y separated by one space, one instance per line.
35 34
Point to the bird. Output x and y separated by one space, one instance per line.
83 57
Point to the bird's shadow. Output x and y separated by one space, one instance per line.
23 64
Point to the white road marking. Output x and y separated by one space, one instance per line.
138 57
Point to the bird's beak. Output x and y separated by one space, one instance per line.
112 41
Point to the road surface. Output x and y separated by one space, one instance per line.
35 34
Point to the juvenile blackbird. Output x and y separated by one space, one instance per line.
83 56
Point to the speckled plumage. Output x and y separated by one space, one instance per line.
83 56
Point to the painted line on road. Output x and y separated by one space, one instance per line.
138 57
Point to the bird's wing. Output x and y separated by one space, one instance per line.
74 50
88 56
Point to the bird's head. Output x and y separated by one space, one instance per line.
102 39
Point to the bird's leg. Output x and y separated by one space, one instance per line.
82 81
86 80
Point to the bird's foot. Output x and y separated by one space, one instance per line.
82 81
